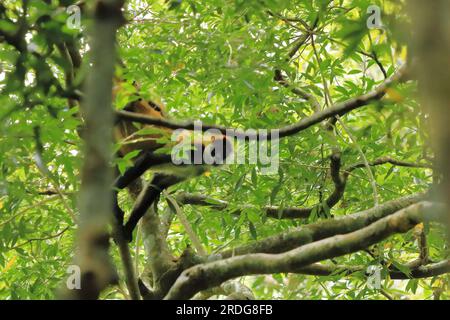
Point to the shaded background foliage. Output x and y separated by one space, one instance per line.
213 61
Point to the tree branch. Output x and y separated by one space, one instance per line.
155 243
97 270
337 109
275 211
425 271
431 270
384 160
211 274
323 229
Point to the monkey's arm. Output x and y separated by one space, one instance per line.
143 163
146 198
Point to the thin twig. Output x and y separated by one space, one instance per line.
187 226
363 156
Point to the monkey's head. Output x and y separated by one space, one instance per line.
205 148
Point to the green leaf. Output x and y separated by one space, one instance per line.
252 230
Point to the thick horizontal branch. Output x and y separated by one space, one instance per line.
212 274
337 109
323 229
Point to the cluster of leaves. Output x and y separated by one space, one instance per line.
213 61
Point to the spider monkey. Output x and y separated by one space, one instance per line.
166 172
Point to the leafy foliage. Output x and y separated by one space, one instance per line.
214 61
